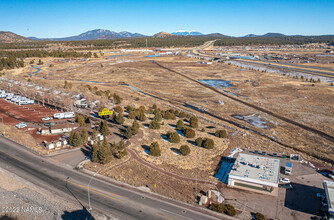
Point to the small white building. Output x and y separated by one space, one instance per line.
256 173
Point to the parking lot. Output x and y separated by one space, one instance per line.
25 113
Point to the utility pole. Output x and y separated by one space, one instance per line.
90 208
3 126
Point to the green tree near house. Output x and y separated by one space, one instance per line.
105 154
77 140
96 152
104 129
84 136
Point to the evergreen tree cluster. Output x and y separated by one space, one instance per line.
10 62
43 53
102 152
119 150
136 113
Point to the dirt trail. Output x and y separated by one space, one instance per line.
135 156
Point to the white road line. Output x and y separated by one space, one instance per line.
175 214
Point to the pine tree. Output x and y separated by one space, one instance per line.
70 139
94 134
95 153
105 152
104 129
77 140
84 136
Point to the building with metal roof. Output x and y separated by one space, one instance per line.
329 190
255 173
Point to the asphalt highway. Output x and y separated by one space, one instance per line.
319 71
113 199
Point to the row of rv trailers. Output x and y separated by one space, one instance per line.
20 100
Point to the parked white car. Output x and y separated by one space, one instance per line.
21 125
47 119
285 180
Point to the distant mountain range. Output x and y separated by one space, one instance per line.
10 37
96 34
99 34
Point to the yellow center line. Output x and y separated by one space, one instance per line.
163 216
100 192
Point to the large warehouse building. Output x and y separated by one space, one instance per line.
256 173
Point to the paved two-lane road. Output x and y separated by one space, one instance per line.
115 200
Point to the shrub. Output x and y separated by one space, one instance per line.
193 122
230 210
208 143
259 216
141 116
155 124
227 209
174 137
157 116
180 124
189 133
169 115
155 149
132 115
203 130
221 133
118 109
199 141
182 115
129 108
184 150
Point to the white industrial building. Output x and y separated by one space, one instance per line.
255 173
329 190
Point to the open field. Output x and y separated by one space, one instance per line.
297 100
141 82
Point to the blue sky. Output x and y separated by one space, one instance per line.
234 17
